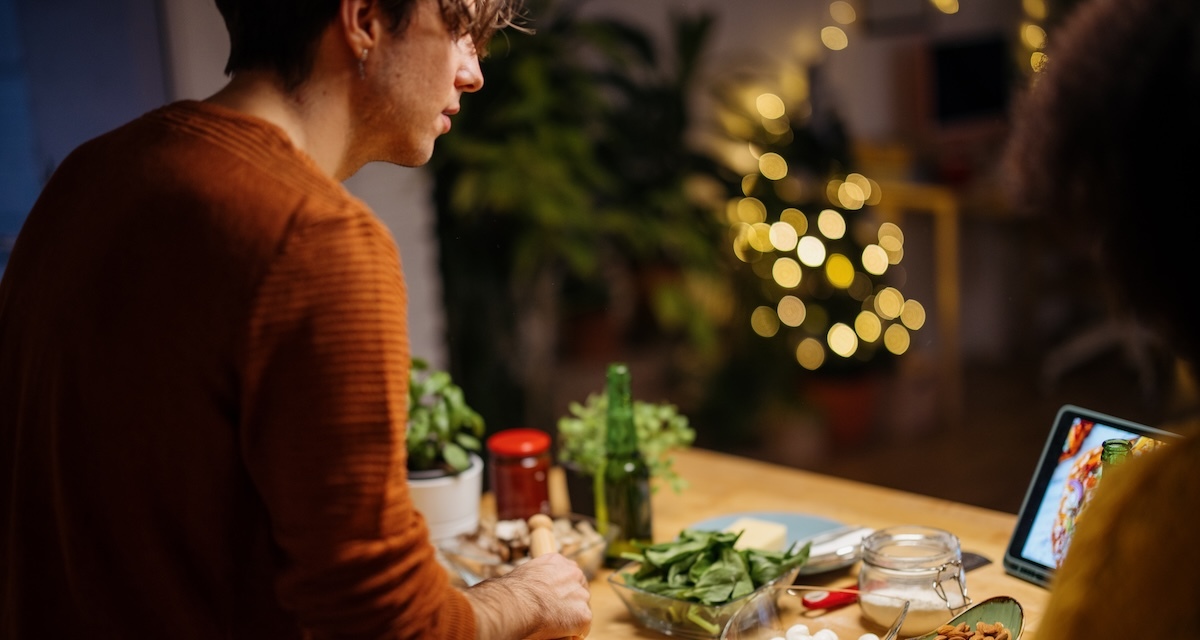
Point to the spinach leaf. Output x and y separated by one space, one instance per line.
704 567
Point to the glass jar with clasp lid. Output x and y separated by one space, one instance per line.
922 565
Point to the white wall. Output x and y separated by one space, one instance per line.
198 46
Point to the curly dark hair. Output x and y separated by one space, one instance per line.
1104 139
282 34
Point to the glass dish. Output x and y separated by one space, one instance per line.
476 556
684 618
770 614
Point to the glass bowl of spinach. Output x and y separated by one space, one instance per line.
690 587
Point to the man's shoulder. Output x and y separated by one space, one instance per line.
205 172
193 151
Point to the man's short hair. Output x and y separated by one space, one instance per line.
282 35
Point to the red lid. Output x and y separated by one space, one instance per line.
519 442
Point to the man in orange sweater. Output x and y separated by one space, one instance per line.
204 356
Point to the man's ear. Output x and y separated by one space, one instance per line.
359 22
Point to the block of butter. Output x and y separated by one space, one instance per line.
759 534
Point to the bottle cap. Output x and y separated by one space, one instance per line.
519 442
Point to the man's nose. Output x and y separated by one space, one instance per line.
470 76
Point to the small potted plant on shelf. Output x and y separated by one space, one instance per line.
661 429
444 441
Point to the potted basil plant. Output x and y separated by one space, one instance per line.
444 443
661 429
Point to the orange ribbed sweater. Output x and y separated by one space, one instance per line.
203 386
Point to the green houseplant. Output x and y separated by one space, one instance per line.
562 193
443 431
444 440
661 429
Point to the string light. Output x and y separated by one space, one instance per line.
948 7
842 12
784 237
1032 35
811 263
834 38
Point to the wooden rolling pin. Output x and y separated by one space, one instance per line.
541 535
541 541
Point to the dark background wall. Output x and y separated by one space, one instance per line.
69 69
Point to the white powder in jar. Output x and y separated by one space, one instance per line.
926 611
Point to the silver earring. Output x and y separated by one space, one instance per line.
362 64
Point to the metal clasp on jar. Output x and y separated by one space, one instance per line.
955 570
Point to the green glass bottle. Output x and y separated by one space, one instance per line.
625 475
1113 452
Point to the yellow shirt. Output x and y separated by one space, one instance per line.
1133 570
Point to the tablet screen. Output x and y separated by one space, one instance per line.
1063 484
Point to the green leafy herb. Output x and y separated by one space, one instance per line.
704 568
442 429
660 429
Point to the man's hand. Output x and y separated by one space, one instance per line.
545 598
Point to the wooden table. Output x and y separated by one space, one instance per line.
721 484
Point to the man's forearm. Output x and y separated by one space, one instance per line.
500 611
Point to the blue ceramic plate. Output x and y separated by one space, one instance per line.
800 527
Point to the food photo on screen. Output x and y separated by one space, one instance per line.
1071 487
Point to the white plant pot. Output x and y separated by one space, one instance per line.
450 504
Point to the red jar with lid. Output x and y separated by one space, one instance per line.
518 468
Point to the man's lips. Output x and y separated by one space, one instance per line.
446 118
